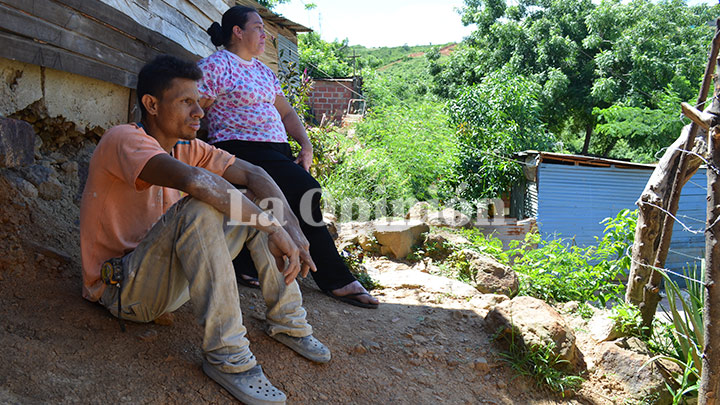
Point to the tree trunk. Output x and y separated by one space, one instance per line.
654 228
648 228
588 134
710 378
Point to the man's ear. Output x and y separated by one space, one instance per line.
150 103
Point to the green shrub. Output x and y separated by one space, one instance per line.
398 153
556 271
493 120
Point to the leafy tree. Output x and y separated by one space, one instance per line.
586 58
272 3
649 58
539 39
494 119
323 59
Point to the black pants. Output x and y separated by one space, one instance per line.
294 181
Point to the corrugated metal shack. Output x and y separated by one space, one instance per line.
56 45
569 195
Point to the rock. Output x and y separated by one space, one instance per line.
530 322
25 187
70 167
437 247
486 302
45 179
624 365
357 233
369 344
448 217
634 345
17 143
419 211
397 238
490 276
359 349
149 335
603 328
331 221
426 282
481 365
50 190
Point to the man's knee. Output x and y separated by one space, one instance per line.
193 208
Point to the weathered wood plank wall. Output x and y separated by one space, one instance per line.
110 40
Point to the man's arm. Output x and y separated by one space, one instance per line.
263 187
295 128
166 171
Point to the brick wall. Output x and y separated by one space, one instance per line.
330 97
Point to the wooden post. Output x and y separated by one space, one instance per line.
710 378
644 284
709 388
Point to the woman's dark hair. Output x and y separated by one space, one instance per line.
238 15
155 77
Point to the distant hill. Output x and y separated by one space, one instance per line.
384 57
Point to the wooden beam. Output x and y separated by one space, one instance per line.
36 53
25 25
703 119
108 15
73 20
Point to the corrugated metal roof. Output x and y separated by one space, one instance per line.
572 200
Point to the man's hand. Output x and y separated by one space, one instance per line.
305 157
283 248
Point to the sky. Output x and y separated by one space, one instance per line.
376 23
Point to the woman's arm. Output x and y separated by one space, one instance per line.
295 128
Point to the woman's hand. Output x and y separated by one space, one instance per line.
305 157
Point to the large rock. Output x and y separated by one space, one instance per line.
602 328
17 143
396 238
625 367
490 276
426 282
529 322
357 233
448 217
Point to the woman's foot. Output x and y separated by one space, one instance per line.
354 294
249 281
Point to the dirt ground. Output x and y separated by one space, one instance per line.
419 347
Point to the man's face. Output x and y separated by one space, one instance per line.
178 109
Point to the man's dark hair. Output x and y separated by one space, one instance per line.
155 77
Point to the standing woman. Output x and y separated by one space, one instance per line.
249 117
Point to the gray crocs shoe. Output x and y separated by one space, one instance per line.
250 387
308 347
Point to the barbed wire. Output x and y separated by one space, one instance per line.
685 254
685 227
662 270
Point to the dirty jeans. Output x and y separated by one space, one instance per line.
187 255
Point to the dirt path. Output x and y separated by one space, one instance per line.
417 348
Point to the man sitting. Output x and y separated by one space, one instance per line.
167 249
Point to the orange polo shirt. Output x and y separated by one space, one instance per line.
118 209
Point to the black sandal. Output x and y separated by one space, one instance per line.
352 299
248 281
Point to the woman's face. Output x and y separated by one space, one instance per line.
252 37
